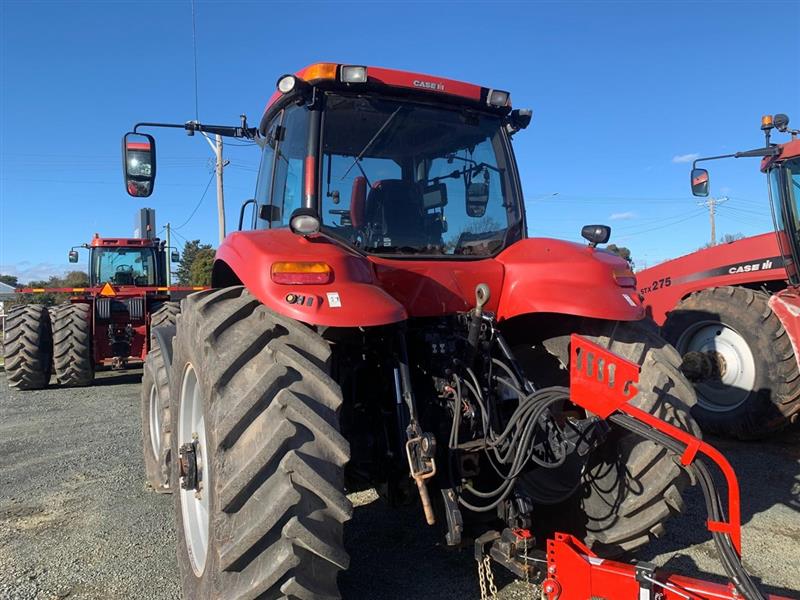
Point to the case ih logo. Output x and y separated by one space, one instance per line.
747 268
428 85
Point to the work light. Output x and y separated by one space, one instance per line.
286 83
353 74
498 98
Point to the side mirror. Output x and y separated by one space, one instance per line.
434 196
699 182
477 199
596 234
270 212
73 256
174 256
139 164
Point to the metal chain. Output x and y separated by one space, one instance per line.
482 581
487 562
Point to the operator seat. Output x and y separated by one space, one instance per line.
123 278
394 215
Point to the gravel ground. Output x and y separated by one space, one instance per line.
76 520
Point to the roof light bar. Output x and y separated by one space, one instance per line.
353 74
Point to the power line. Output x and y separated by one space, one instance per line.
199 202
711 204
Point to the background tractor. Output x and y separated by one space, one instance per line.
727 311
383 320
103 325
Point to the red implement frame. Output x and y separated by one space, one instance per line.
575 573
602 382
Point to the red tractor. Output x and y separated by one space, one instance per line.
105 324
384 321
724 309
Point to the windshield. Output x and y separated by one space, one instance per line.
123 266
784 192
404 178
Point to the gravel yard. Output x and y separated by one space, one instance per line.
76 520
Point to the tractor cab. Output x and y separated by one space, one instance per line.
125 262
781 163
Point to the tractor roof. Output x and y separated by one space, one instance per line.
330 75
787 151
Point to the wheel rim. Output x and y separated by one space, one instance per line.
734 373
194 503
155 422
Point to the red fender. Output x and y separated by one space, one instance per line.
353 298
553 276
752 260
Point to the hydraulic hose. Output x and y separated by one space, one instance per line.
728 555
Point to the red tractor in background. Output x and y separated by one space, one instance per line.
384 321
725 310
104 325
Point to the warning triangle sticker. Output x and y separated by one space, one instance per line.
108 290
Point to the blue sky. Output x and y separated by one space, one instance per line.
623 94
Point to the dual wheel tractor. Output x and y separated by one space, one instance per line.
104 325
382 320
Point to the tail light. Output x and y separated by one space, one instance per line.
297 273
625 278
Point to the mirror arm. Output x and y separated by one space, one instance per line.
770 151
192 126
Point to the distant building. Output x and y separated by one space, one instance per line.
6 293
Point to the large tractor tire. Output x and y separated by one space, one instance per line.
164 314
259 461
73 365
156 429
28 347
620 500
740 359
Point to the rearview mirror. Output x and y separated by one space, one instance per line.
477 199
174 256
434 196
73 256
139 164
699 182
596 234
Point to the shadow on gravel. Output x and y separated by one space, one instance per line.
107 378
394 554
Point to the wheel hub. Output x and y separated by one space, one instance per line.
718 360
188 466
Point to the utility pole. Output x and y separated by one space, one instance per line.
220 165
711 205
220 193
168 257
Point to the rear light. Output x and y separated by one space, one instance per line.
296 273
287 83
304 221
353 74
498 98
625 278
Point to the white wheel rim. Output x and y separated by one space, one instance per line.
194 503
739 374
155 421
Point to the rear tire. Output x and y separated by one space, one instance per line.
156 429
755 390
164 314
28 347
251 389
630 486
72 344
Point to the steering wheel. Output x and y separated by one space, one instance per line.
125 269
